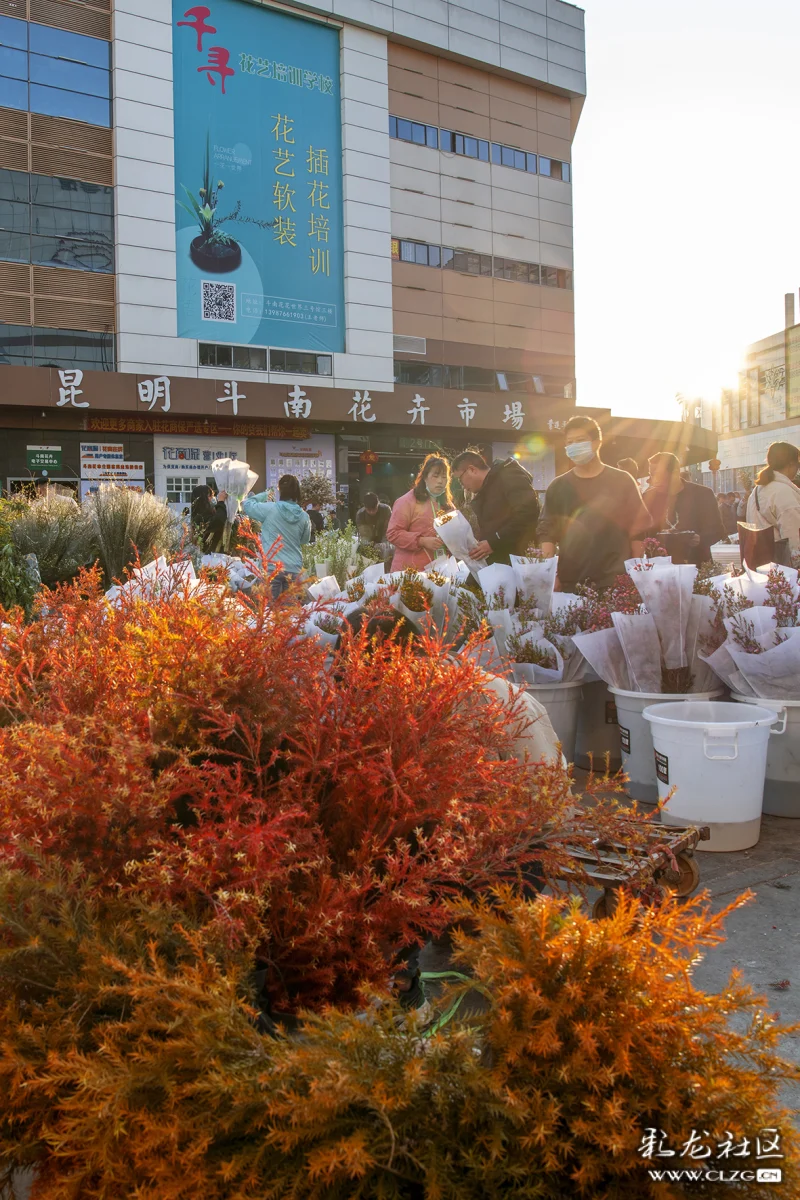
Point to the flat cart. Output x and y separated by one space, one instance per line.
654 861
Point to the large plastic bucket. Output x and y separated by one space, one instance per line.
782 784
711 758
636 741
561 700
598 731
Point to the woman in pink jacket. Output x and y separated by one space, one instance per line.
411 529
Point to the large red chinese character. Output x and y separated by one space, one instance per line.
218 58
199 23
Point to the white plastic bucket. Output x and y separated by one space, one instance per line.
598 731
636 740
561 700
782 784
711 757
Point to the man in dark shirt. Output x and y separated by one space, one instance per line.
504 502
594 514
372 520
676 505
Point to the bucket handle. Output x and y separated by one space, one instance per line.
721 744
777 730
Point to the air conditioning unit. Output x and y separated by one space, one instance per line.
404 344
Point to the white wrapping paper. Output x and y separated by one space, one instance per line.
773 675
495 577
667 595
602 649
502 627
701 622
456 533
236 479
532 673
325 589
535 580
639 639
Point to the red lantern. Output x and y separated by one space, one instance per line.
369 458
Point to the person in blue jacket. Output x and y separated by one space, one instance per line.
285 519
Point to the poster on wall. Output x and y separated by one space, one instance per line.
316 456
258 177
180 464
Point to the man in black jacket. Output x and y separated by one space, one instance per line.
504 502
677 505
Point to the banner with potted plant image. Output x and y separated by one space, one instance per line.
258 177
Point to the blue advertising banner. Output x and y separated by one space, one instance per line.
258 177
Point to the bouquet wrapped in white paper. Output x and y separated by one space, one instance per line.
534 660
456 532
535 580
236 479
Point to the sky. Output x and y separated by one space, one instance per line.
686 191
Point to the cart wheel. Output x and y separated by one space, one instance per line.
604 905
688 878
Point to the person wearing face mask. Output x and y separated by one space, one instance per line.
593 515
411 530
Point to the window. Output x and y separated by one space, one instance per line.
554 169
16 345
56 222
70 348
418 374
414 131
479 379
242 358
462 143
54 72
469 262
299 363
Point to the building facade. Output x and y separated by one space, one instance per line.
295 232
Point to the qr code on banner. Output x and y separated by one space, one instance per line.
219 301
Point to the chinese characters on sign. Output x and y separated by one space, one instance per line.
419 409
70 389
153 390
467 408
513 413
233 394
298 405
765 1146
361 407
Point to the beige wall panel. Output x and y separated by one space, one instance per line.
412 60
423 158
416 228
409 275
554 189
415 84
557 127
516 226
557 343
514 135
515 181
477 287
412 179
460 97
519 314
556 256
517 338
559 214
516 247
418 325
555 235
517 93
519 203
475 332
456 212
462 121
516 295
456 166
466 237
419 300
557 322
416 205
550 103
558 299
413 108
469 77
465 191
515 114
555 147
467 308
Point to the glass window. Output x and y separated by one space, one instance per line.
418 134
502 382
56 102
478 379
453 377
324 364
496 154
555 169
16 345
421 254
447 258
224 356
15 215
75 77
520 271
14 185
460 261
459 143
531 163
73 348
62 222
13 93
471 147
80 254
208 355
74 47
446 140
408 252
566 172
486 264
13 33
432 137
404 130
562 279
520 160
483 151
506 156
393 127
72 194
545 165
15 247
549 277
13 63
249 358
434 256
534 274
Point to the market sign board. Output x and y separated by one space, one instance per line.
39 458
102 452
113 472
258 177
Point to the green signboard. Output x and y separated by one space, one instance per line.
45 458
